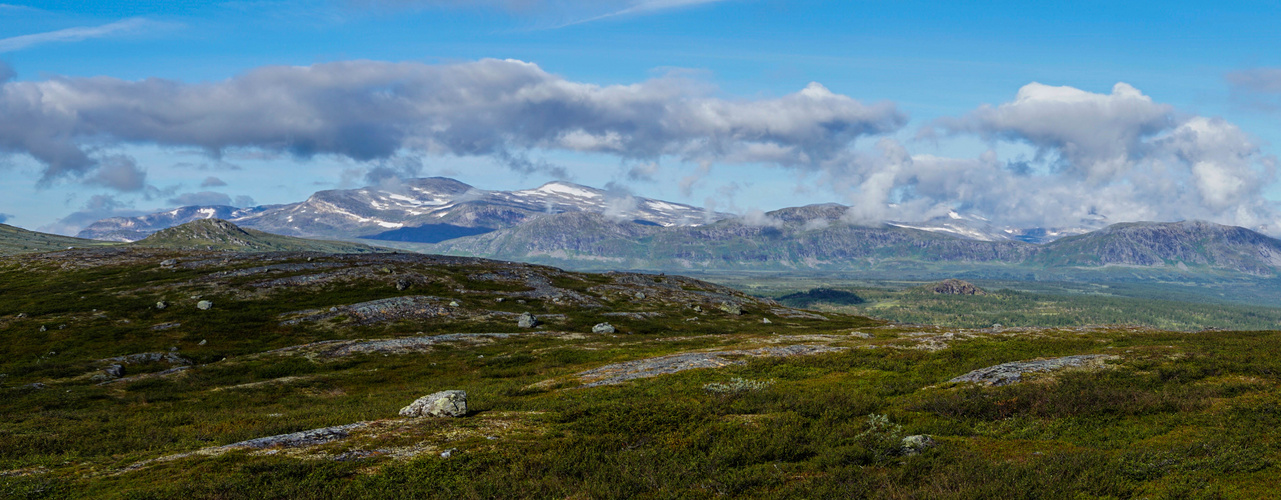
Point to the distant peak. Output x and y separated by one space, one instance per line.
569 189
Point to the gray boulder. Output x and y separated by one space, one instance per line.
913 445
162 304
527 320
114 371
603 328
440 404
204 305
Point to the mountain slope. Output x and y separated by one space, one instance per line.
814 238
15 240
218 234
1180 244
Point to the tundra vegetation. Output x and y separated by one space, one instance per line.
106 394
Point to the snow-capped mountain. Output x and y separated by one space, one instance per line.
423 210
126 229
975 227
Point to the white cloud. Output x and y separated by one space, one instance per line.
367 111
1114 157
76 34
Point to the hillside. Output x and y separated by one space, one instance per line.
218 234
196 374
792 240
15 240
1183 245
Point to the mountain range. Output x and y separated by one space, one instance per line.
580 227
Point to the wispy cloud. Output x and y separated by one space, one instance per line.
566 12
644 7
76 34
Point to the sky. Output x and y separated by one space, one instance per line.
1030 114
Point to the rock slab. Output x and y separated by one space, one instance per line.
603 328
1009 373
527 320
440 404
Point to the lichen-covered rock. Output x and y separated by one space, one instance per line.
204 305
916 444
732 308
1009 373
162 304
603 328
440 404
527 320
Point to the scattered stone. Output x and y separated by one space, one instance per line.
1009 373
766 321
165 326
43 329
956 287
527 320
731 308
521 301
35 386
402 285
162 304
114 371
440 404
203 342
333 309
453 303
21 315
448 453
168 263
204 305
914 445
698 308
603 328
640 295
500 300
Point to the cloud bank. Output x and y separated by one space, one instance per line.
367 111
1099 157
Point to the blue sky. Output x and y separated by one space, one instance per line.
1196 140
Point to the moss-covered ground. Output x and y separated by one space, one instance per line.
1174 415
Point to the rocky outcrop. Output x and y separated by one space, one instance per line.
644 368
1009 373
956 287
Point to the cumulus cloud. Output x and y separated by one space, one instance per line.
367 110
203 198
244 201
1103 157
120 173
212 182
1093 135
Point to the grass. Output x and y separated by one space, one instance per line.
1176 415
